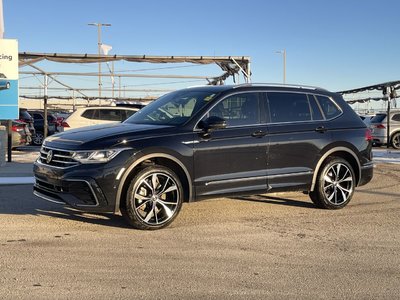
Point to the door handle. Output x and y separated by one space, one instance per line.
258 133
321 129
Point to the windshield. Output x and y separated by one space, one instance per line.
173 109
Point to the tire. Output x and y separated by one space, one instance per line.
8 85
335 184
396 140
154 198
37 138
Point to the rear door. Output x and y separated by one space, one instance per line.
297 133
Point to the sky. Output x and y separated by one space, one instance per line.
338 45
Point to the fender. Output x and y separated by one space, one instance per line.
322 159
139 161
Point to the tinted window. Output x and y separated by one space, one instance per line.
237 110
37 116
315 110
396 118
328 107
90 114
129 113
378 118
288 107
110 114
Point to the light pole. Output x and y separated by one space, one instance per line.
283 52
99 25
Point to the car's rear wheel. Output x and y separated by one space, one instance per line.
154 198
335 184
396 140
37 138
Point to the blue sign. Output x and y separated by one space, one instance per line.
8 79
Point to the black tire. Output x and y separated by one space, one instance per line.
154 198
37 138
335 184
8 85
396 140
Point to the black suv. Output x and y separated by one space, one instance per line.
207 142
38 116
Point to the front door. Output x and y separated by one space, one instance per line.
233 160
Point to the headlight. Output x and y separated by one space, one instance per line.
96 156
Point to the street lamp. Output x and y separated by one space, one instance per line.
283 52
99 25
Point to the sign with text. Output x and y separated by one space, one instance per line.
8 79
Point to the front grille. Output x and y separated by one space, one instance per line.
59 158
80 190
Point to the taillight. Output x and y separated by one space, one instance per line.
64 124
368 135
380 126
16 128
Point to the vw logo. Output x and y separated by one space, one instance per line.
49 156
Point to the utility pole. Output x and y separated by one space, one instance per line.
283 52
99 25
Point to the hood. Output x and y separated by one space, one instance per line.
102 136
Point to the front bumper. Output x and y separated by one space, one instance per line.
89 187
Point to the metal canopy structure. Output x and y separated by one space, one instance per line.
231 65
389 93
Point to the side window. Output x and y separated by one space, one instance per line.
328 107
110 114
238 110
396 118
315 110
288 107
129 113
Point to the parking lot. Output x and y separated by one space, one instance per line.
261 247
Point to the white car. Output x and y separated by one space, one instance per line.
88 116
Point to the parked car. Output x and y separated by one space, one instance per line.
209 142
4 82
379 128
38 116
87 116
20 135
25 117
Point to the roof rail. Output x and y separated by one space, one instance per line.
281 85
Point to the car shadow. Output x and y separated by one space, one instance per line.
276 200
19 200
96 218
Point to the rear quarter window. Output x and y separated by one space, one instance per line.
330 109
396 118
90 114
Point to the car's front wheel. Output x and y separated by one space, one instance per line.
396 140
335 184
154 198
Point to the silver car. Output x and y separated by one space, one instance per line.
379 128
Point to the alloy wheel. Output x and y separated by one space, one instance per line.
338 184
156 198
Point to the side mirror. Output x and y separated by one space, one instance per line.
213 123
